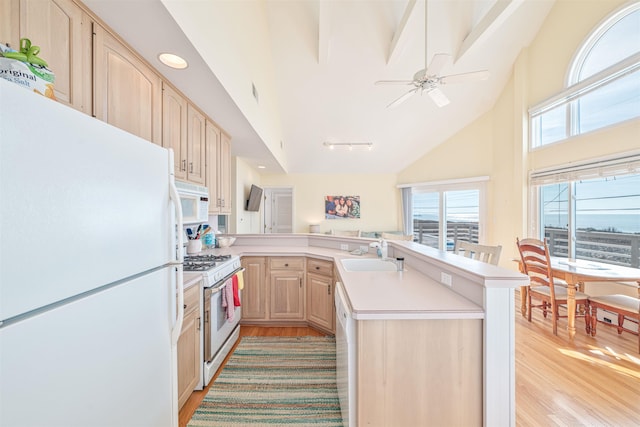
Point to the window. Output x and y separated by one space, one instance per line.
442 213
592 212
603 83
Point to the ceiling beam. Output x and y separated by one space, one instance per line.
324 30
400 37
488 25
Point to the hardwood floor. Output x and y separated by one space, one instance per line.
587 382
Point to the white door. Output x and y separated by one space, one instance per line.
278 210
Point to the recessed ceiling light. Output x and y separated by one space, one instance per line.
262 167
173 61
351 146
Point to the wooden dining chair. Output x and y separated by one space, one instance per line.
534 255
484 253
393 236
626 308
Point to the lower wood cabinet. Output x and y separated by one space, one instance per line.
280 290
286 288
254 295
320 291
189 345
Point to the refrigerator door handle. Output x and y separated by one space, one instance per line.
177 328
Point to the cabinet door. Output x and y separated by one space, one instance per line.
195 145
63 32
287 295
174 129
320 300
211 166
254 296
224 174
127 92
188 356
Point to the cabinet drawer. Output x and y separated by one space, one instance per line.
192 298
319 266
282 263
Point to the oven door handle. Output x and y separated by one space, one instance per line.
218 287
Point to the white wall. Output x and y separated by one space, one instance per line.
379 200
496 143
242 176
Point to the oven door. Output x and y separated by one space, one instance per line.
219 327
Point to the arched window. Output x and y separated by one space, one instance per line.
603 82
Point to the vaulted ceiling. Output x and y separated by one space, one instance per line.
285 76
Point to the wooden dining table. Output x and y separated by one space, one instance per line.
576 272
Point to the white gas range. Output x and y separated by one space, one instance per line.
221 326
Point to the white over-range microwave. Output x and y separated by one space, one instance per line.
195 202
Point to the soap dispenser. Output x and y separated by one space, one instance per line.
383 249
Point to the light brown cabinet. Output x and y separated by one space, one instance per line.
254 298
189 345
320 291
286 289
127 93
218 168
62 30
196 125
174 128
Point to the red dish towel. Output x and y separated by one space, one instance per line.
227 299
236 297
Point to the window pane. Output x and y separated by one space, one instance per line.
551 126
608 219
463 216
614 103
426 219
555 217
618 43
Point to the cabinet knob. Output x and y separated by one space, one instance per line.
286 265
185 306
317 267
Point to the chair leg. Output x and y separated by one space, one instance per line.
587 318
620 323
544 309
529 306
554 317
594 320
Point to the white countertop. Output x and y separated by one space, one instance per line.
378 295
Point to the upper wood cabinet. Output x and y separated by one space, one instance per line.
62 30
218 167
196 126
183 129
174 128
127 92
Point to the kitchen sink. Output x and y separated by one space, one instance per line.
368 264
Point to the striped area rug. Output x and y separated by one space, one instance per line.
275 381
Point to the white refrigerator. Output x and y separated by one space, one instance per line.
90 278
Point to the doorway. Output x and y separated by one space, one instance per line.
278 210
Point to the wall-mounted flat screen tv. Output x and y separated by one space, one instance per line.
255 197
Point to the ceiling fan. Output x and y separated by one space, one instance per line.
429 79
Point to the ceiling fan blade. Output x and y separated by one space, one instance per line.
438 97
437 62
402 98
473 76
393 82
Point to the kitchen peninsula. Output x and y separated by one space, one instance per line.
424 350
